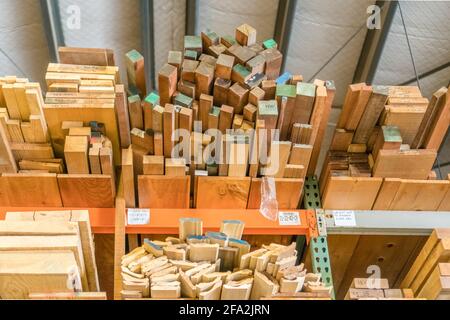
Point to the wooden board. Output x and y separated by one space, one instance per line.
86 56
407 119
410 164
57 114
222 192
32 190
86 191
161 192
351 193
22 273
289 192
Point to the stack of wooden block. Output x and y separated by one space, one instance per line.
231 84
429 276
215 266
376 289
47 254
23 130
386 140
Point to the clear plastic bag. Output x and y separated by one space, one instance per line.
269 203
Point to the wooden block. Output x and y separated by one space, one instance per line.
228 41
128 185
269 87
142 140
193 43
262 287
279 157
79 191
63 87
246 35
136 71
268 112
186 119
226 118
39 129
358 109
406 118
187 88
107 164
49 167
221 87
159 144
289 192
161 192
42 270
204 77
15 131
227 257
28 190
222 192
205 107
203 252
169 127
80 132
238 98
256 65
242 54
341 140
256 95
175 58
370 117
176 167
439 123
286 95
213 118
304 104
167 83
388 139
27 151
153 165
224 66
350 102
240 74
411 164
238 158
76 154
94 161
136 112
274 59
188 70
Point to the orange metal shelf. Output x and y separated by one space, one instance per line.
165 221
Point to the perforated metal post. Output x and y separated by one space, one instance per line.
320 257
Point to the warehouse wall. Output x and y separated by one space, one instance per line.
319 30
22 38
113 24
169 28
430 42
223 16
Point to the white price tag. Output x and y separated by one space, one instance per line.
344 218
289 219
138 216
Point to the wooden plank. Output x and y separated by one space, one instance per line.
288 193
162 192
48 244
32 190
439 125
205 107
81 191
358 109
351 193
136 71
306 93
351 100
416 195
370 117
7 162
222 192
94 161
24 272
128 178
410 164
27 151
226 118
406 118
76 154
169 127
123 117
86 56
387 192
136 112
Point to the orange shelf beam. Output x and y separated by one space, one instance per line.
165 221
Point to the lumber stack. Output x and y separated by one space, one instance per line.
429 276
218 104
47 254
381 149
376 289
24 139
215 266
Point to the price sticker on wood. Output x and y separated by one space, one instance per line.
344 218
138 216
289 219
